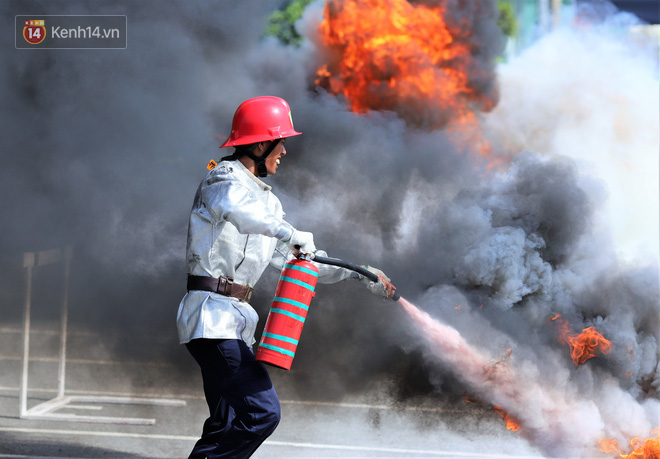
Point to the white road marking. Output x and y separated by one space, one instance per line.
17 358
93 433
374 407
15 389
267 442
393 450
20 456
46 332
283 402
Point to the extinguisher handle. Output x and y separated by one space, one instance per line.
344 264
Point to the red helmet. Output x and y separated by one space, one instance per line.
260 119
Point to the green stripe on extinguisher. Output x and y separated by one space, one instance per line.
278 349
297 282
295 303
304 270
287 313
280 338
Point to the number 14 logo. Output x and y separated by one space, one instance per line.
34 31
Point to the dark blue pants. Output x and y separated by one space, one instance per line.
244 408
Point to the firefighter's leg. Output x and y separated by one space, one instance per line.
244 408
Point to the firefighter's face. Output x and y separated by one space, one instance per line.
273 160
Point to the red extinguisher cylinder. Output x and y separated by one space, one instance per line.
287 314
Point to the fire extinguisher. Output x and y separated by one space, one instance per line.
290 305
288 312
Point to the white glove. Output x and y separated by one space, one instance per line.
377 288
304 241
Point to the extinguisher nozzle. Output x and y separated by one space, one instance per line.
336 262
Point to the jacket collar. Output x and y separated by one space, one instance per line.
256 179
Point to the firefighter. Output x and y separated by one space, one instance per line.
236 229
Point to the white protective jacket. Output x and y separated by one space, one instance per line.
236 229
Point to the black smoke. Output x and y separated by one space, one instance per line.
103 150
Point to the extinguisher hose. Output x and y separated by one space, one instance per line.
344 264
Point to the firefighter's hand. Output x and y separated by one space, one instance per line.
381 288
302 241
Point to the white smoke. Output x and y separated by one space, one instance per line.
562 411
572 229
591 92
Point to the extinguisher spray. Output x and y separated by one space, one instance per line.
290 305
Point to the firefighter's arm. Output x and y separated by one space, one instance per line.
227 199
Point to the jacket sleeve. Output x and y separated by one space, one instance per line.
227 199
327 274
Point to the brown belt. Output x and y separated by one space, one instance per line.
223 286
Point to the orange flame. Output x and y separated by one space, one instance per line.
397 56
511 423
583 345
640 449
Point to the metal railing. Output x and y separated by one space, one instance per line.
47 410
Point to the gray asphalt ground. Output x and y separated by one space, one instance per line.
364 426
